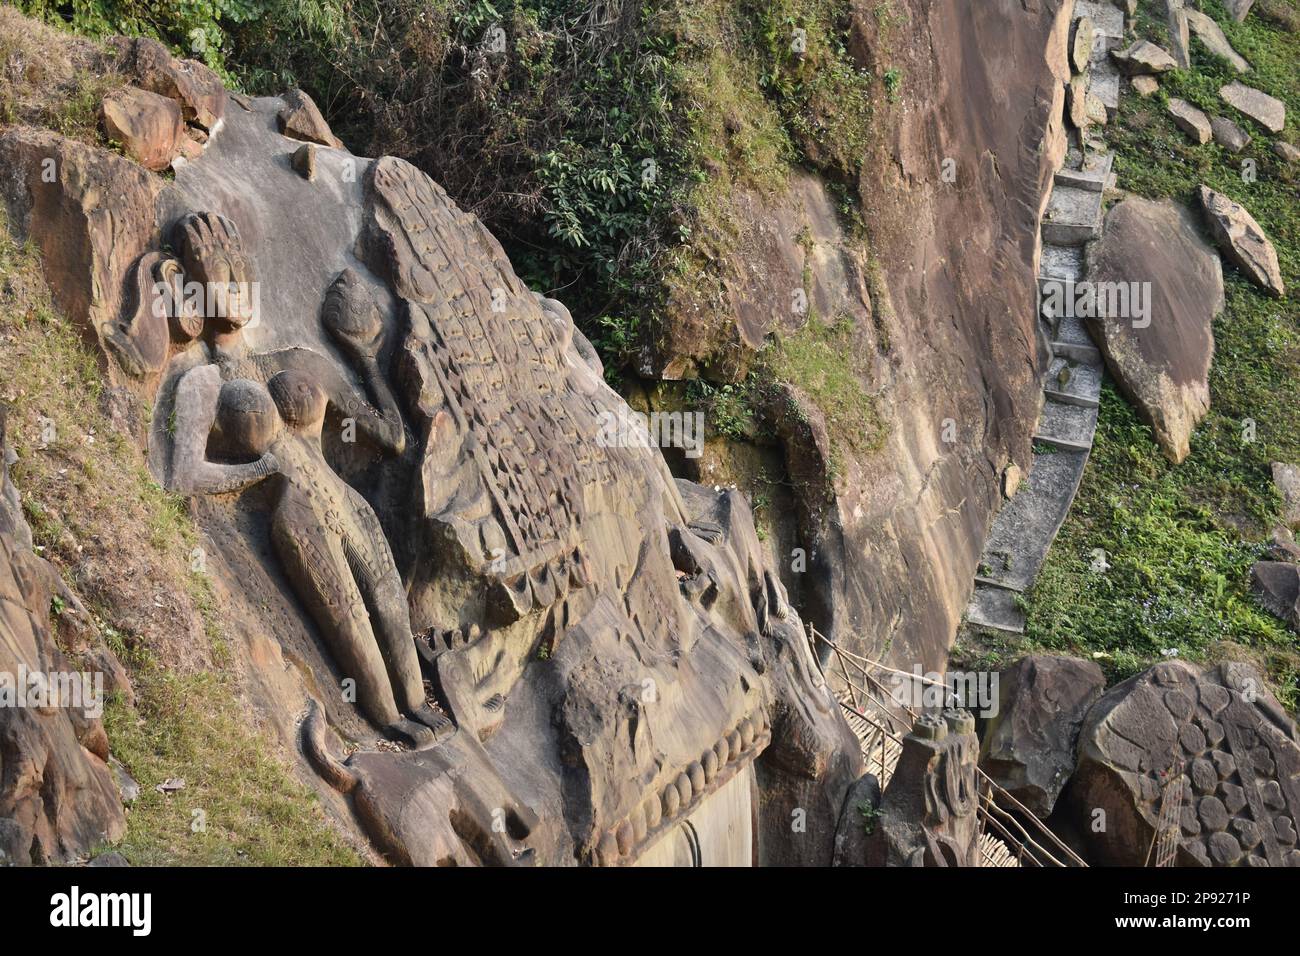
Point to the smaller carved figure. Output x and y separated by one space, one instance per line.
332 547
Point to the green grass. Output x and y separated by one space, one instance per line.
1180 539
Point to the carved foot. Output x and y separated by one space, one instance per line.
414 735
440 724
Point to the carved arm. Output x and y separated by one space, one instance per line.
195 410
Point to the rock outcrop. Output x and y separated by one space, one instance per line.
1243 241
1268 111
1208 757
1277 586
1160 349
1028 746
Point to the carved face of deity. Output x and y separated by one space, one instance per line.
218 269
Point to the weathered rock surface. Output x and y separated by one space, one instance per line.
1277 585
1081 42
1238 9
1286 478
1145 86
1286 152
1229 135
1268 111
57 795
193 85
1242 241
1214 740
149 127
1143 58
1190 120
92 221
1029 745
927 814
1160 359
1211 34
301 119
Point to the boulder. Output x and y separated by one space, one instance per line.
1282 546
1160 359
1269 112
1286 478
1180 39
149 127
197 89
1228 134
1212 745
1076 101
1238 9
1281 13
1028 746
1211 34
1081 44
1143 58
302 119
1145 86
1243 241
1190 120
1286 152
1277 586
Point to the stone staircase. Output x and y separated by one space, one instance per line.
1023 531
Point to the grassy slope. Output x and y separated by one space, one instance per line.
1180 540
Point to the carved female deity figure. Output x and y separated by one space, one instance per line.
330 543
213 257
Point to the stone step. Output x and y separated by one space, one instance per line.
995 608
1090 172
1107 19
1073 216
1066 425
1081 385
1024 529
1071 340
1059 264
1105 86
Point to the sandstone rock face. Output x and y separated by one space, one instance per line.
149 127
1210 749
1143 58
1029 746
1160 359
1243 241
1190 120
1277 585
538 645
57 795
301 119
1269 112
92 215
1229 135
194 86
893 551
1211 34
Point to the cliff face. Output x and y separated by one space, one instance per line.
941 296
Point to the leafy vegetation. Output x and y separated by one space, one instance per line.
1178 541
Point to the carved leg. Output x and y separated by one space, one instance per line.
315 563
376 577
